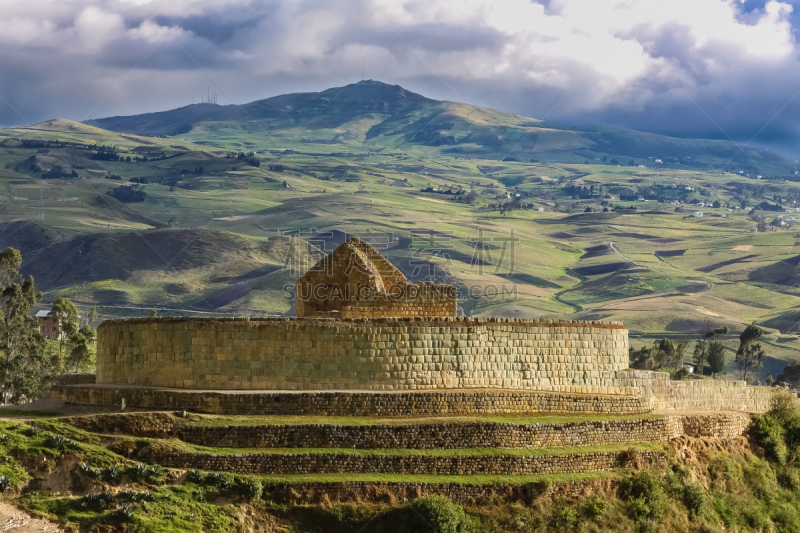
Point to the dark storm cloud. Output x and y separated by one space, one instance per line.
714 68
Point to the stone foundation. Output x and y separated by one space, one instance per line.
338 463
385 404
362 354
463 493
469 434
664 394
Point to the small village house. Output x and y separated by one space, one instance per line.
49 326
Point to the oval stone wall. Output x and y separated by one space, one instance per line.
361 354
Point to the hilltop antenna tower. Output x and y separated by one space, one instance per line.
364 70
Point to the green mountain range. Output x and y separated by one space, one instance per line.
376 116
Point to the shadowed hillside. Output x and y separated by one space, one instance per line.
376 115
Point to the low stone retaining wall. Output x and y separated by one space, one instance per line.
76 379
463 465
367 491
344 403
469 434
664 394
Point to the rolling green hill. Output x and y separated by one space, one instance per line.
376 116
226 216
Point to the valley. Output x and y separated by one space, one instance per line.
537 221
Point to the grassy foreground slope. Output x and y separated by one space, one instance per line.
90 481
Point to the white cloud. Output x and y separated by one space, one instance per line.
571 59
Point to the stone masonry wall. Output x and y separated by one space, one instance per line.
665 394
356 281
469 435
458 465
350 403
463 493
411 300
361 354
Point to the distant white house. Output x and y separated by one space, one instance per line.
658 161
697 214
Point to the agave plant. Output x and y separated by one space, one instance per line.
124 512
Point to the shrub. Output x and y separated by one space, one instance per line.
220 480
790 479
124 513
142 472
437 514
194 476
595 507
694 498
254 489
113 472
564 517
89 471
769 434
646 496
92 500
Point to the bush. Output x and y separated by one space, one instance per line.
124 513
194 476
769 434
790 479
220 480
595 507
142 472
646 496
113 472
694 498
564 517
254 489
437 514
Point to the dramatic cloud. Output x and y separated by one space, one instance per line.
712 68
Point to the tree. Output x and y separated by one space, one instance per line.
716 356
94 316
27 366
750 353
790 375
79 351
701 349
153 313
65 315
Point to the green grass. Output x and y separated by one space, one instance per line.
251 203
8 412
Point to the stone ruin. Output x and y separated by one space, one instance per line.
362 331
356 281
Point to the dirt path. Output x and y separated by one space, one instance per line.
12 520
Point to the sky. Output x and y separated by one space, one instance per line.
725 69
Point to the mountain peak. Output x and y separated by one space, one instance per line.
372 92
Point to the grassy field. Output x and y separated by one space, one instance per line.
219 236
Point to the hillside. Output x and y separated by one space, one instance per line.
224 218
376 116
